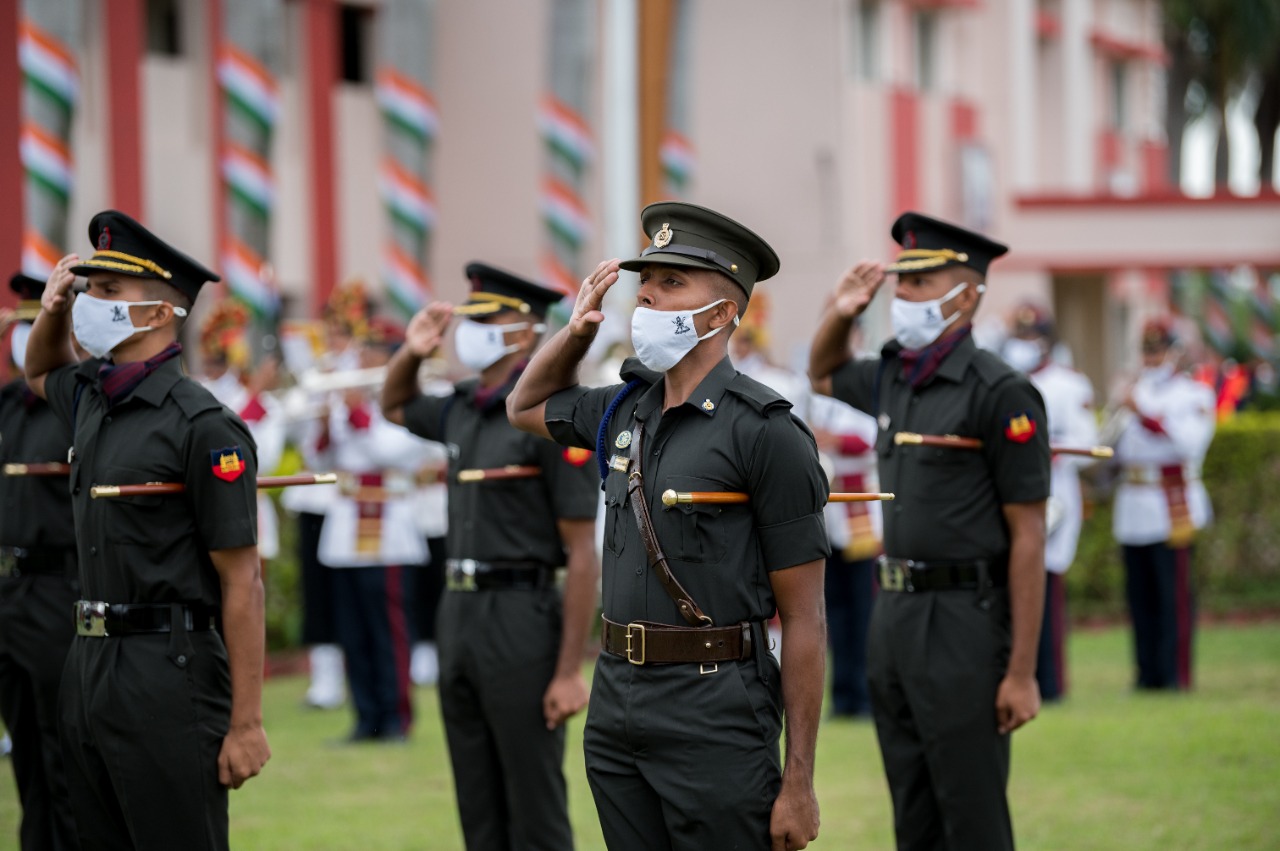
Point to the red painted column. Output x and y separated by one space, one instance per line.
904 150
320 35
124 22
11 174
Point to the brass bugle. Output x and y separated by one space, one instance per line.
158 488
52 468
673 497
511 471
955 441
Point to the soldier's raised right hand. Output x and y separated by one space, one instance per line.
857 287
427 328
57 290
587 313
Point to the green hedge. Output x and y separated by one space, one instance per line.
1237 559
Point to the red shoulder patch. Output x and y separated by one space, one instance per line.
227 463
1019 427
577 456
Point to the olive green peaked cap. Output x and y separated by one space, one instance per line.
688 235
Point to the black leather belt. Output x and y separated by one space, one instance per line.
910 576
645 643
102 620
47 561
468 574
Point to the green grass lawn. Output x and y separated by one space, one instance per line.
1107 769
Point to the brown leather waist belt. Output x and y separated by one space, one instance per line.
910 576
645 643
103 620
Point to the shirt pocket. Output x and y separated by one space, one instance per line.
616 509
697 535
134 519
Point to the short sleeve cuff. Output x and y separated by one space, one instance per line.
559 418
234 535
794 542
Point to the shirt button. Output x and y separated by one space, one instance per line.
639 571
76 491
93 551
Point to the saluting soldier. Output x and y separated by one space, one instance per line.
952 649
510 649
38 586
1160 504
688 703
1068 399
161 699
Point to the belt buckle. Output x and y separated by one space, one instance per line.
631 657
91 619
462 575
891 576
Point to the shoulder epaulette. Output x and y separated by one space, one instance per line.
991 368
760 396
193 398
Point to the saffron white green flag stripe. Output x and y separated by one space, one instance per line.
38 255
565 132
406 285
676 154
249 178
48 66
249 86
407 104
564 213
244 274
46 160
407 198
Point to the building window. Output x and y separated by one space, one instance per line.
866 57
164 31
926 26
355 33
1119 80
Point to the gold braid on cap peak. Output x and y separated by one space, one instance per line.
131 264
482 303
912 259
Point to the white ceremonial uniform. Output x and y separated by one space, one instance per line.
391 452
1068 399
830 414
1184 410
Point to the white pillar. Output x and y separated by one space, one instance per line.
1079 124
620 156
1022 82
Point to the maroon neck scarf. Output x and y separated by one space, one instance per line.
118 381
919 366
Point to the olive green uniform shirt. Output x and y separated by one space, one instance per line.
947 504
732 434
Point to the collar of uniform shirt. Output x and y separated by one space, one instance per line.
484 398
710 389
118 381
919 366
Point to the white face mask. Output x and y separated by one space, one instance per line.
480 346
101 324
662 338
18 344
1022 355
916 324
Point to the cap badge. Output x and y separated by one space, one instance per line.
662 238
909 239
104 239
623 440
708 405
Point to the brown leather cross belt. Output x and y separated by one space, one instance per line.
645 643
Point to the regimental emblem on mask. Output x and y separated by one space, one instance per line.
662 238
682 327
118 314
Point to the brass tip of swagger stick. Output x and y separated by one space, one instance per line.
15 469
99 491
907 437
326 478
670 497
1102 452
471 475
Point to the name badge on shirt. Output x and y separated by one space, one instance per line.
619 463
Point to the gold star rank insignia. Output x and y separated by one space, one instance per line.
708 405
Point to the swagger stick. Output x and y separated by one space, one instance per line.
52 468
159 488
511 471
955 441
673 497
